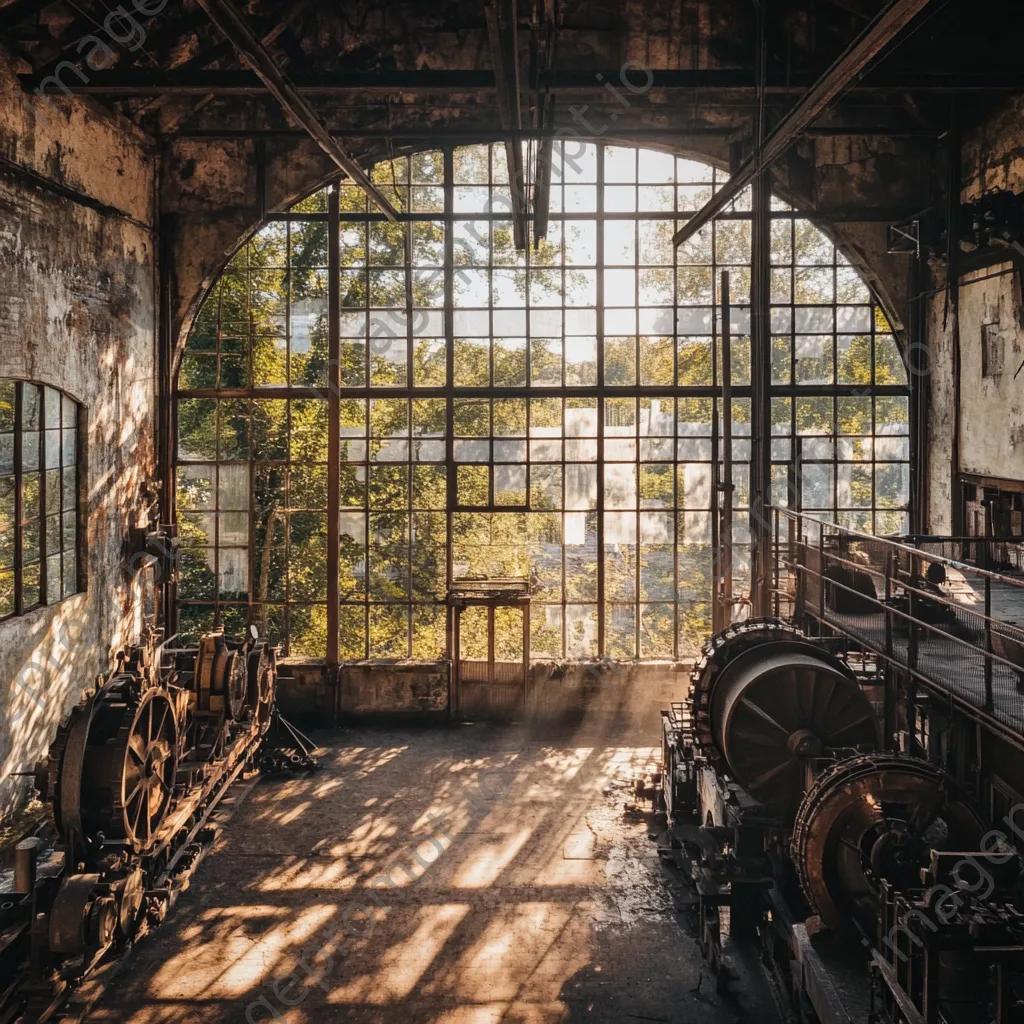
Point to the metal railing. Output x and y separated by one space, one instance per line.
947 621
997 554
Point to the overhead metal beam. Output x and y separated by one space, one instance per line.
16 12
839 77
233 26
545 120
155 82
206 57
503 35
490 135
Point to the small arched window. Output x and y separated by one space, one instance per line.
39 492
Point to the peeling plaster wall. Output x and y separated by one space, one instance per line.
77 312
421 689
993 155
992 407
941 420
991 435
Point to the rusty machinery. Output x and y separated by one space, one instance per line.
787 810
131 778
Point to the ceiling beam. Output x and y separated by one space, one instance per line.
74 35
485 134
16 12
503 36
546 42
234 27
840 76
199 61
154 82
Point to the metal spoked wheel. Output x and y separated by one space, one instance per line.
876 817
262 684
236 686
149 769
765 699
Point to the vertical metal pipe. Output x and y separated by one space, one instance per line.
491 624
988 644
717 605
542 189
167 407
727 473
953 310
600 298
760 349
333 426
26 855
19 544
917 372
410 362
775 562
889 566
455 618
526 654
912 610
821 571
451 493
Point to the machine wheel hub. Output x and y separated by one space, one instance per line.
875 817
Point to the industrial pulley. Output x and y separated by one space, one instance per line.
872 818
131 777
234 680
112 772
111 769
765 699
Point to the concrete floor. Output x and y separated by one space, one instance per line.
465 874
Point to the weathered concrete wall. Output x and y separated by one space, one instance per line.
635 689
941 418
991 411
993 154
400 688
992 407
421 690
77 194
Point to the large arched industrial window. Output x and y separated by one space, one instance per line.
548 414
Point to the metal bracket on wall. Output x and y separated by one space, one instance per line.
903 239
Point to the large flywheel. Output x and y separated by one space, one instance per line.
112 768
871 818
261 683
149 769
765 699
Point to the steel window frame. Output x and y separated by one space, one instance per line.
20 433
335 392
